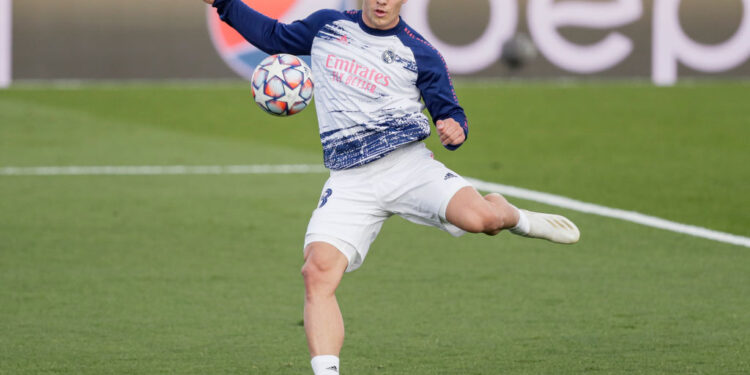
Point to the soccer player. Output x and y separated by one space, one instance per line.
371 72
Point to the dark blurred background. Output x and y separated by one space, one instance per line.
169 39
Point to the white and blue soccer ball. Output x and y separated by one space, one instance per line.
282 85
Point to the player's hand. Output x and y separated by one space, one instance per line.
451 132
209 2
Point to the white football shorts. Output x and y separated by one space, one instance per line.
355 202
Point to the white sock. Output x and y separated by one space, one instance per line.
325 365
523 227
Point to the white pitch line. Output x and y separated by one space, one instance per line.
590 208
510 191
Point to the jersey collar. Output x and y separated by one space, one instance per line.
395 30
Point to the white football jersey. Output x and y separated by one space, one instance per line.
369 83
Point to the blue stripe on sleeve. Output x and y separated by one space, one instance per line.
434 82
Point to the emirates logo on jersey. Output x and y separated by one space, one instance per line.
352 73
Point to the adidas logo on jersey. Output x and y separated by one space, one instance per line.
449 175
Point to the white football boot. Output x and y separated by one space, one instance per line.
550 227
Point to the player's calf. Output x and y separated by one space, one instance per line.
507 212
486 221
324 325
473 213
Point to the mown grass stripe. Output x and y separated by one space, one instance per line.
510 191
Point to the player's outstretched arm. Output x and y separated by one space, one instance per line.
268 34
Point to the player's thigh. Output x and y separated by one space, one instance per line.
348 218
424 191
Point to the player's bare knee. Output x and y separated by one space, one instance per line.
321 272
318 280
313 273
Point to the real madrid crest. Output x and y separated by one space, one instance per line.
389 57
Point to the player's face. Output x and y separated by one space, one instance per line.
381 14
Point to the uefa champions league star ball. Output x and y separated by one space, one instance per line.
282 85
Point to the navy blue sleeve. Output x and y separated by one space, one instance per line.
270 35
435 83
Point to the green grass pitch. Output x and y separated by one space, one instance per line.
200 274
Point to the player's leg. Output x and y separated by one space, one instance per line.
324 326
475 213
426 192
339 234
492 213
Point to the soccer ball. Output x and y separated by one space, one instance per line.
282 85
